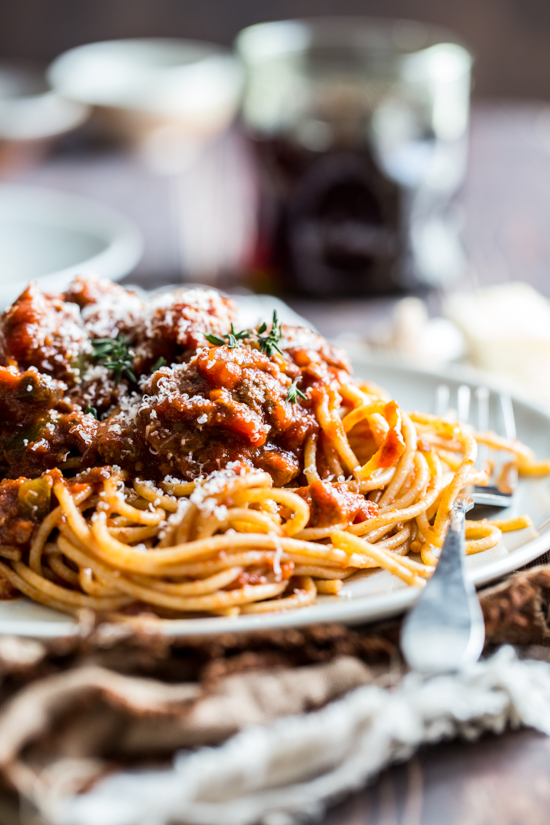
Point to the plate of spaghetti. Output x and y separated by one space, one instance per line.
166 468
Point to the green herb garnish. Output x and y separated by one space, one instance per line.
160 362
240 336
215 339
115 354
294 392
270 342
89 410
232 339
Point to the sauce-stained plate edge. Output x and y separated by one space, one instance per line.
17 617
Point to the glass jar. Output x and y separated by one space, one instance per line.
359 128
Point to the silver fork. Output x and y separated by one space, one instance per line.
500 490
444 631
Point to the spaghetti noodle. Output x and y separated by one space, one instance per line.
247 474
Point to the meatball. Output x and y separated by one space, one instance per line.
43 332
25 397
176 324
307 348
107 309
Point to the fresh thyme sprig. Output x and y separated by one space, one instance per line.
294 392
115 354
268 343
89 410
215 339
239 336
231 338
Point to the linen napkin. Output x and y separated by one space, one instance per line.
133 729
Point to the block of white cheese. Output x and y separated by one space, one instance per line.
507 330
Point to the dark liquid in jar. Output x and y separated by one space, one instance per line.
331 223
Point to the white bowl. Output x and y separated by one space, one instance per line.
32 115
50 237
30 110
141 84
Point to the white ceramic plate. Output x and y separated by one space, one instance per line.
51 236
375 595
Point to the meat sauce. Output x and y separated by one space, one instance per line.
183 406
181 396
335 504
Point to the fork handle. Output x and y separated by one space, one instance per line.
444 631
451 559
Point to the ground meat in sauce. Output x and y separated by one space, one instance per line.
32 413
27 396
7 591
335 504
176 324
86 291
43 332
262 575
210 405
306 347
224 405
15 530
106 309
24 503
56 439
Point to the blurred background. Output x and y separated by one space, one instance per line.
510 38
371 172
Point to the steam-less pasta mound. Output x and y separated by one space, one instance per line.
159 461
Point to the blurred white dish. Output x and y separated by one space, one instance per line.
147 83
32 115
377 594
30 110
50 237
507 329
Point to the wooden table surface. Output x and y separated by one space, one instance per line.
505 207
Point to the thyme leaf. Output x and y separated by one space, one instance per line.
268 343
215 339
232 339
89 410
116 355
293 393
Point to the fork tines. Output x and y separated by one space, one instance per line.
499 492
